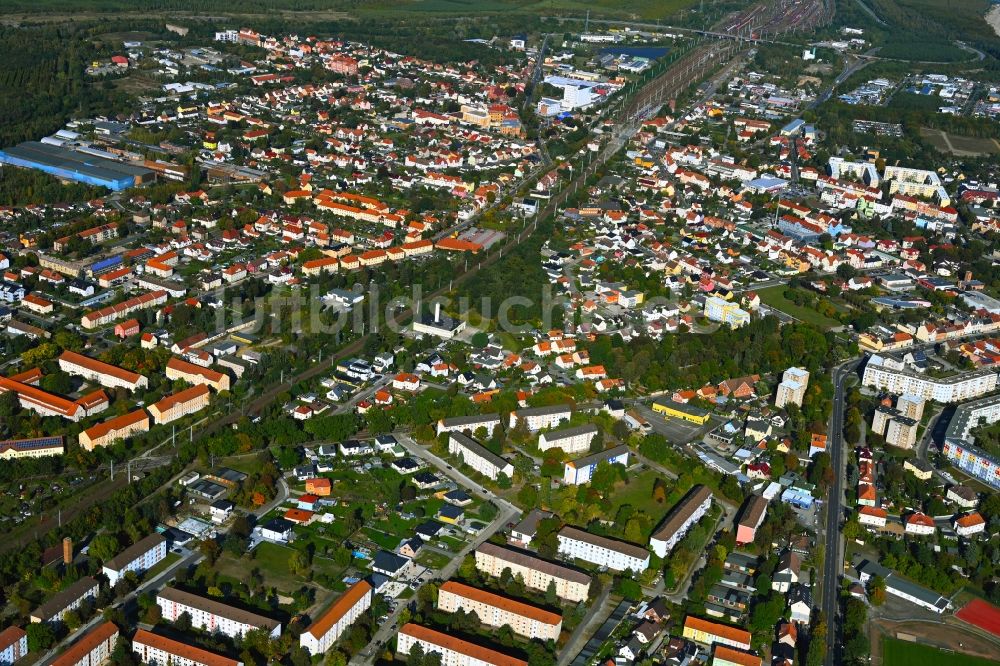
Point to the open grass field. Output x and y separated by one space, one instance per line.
961 146
903 653
775 297
272 561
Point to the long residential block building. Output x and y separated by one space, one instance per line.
453 651
112 313
195 374
602 551
157 650
140 556
495 610
66 600
686 513
570 440
581 470
571 584
959 443
44 403
327 629
180 404
13 645
213 616
478 457
93 649
536 418
37 447
119 427
105 374
469 423
957 388
711 633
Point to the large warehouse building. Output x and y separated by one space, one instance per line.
72 164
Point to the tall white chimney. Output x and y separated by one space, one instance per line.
437 312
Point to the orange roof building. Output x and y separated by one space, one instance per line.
328 627
195 374
453 650
727 656
105 374
180 404
300 516
156 649
707 632
495 610
119 427
321 487
95 647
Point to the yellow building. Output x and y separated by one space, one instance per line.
676 410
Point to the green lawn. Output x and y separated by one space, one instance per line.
638 493
272 561
155 571
775 297
903 653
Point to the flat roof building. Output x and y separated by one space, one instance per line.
70 164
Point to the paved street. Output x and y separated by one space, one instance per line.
833 561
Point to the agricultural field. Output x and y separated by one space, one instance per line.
903 653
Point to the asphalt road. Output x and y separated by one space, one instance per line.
833 561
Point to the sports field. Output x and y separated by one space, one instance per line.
903 653
981 614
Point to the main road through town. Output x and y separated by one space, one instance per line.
833 561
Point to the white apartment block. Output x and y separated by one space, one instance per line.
469 423
156 650
453 651
66 600
863 171
602 551
910 406
495 610
570 440
901 433
213 616
138 557
950 389
537 418
327 629
13 645
686 513
478 457
792 388
571 584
